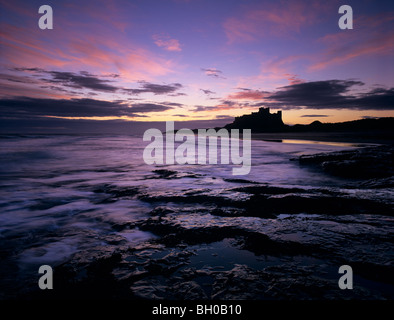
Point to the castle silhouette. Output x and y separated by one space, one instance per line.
264 121
260 121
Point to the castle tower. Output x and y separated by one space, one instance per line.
265 111
261 121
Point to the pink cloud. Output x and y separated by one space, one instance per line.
93 40
371 35
273 19
247 95
293 79
222 106
340 54
140 64
26 46
31 47
279 70
275 72
238 30
113 14
15 55
164 41
130 61
280 66
13 85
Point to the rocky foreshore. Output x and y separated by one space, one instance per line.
249 240
252 241
362 163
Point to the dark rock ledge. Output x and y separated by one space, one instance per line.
363 163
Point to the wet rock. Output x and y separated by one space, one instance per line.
149 289
375 272
269 201
165 174
377 183
363 163
171 174
119 226
117 191
173 234
184 198
114 239
269 190
241 282
261 244
89 277
109 193
240 181
263 206
228 212
161 211
189 290
44 204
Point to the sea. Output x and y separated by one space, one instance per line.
112 226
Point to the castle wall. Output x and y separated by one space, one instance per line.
261 121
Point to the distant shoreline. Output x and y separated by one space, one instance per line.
371 137
356 136
350 137
269 126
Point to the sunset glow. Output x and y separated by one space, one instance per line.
197 60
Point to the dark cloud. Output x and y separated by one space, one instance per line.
377 99
315 116
229 103
330 94
156 89
39 70
203 108
14 78
148 107
172 104
212 72
61 89
224 117
112 75
223 104
86 80
208 92
178 94
369 117
315 94
22 107
80 80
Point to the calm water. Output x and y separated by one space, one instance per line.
63 195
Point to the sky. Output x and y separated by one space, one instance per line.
196 62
